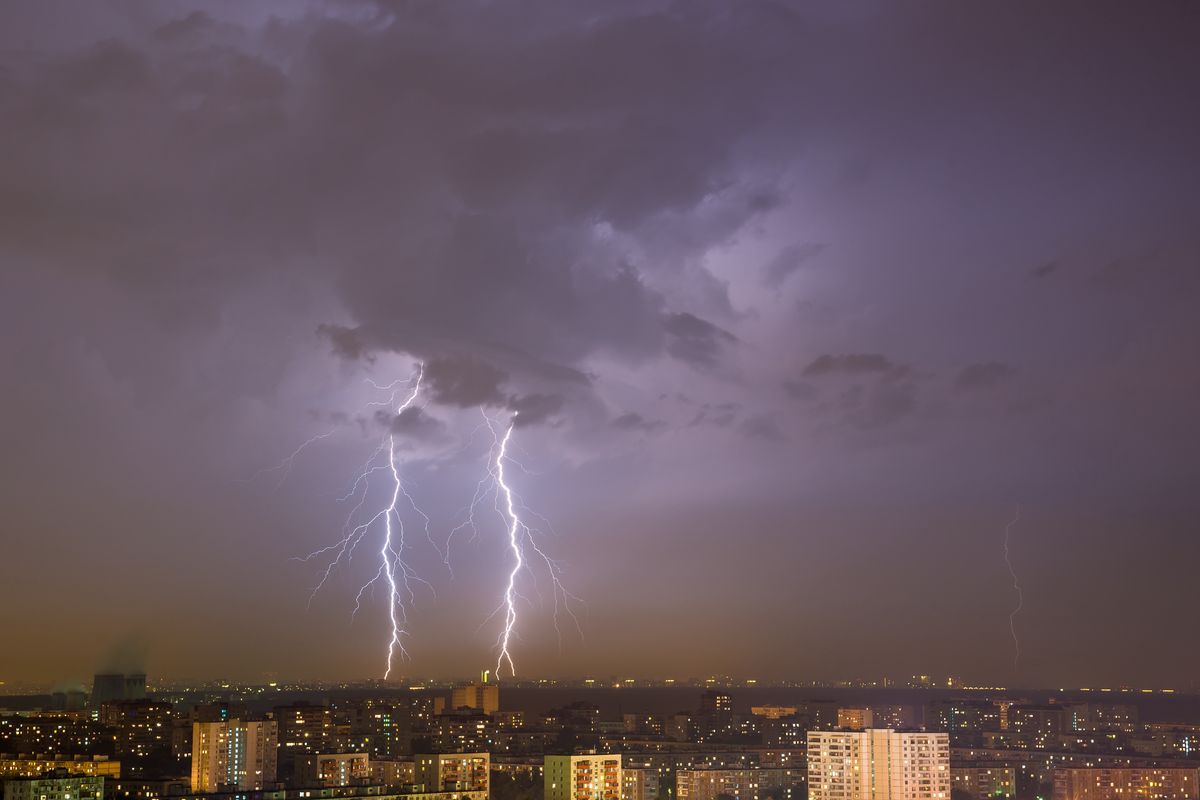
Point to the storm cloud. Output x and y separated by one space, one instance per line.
776 292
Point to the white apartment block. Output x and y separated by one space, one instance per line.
878 764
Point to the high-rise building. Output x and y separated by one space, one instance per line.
304 727
233 753
483 696
583 777
878 764
453 772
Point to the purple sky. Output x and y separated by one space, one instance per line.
798 302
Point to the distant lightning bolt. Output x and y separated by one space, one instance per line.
1012 617
393 570
520 535
284 467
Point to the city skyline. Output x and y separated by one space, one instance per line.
788 341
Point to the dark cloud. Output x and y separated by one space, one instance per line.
878 405
983 375
717 415
761 426
527 196
789 260
852 364
695 340
801 390
1044 270
412 423
346 343
464 381
632 421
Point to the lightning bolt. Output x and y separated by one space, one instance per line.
1012 617
515 529
393 570
522 543
284 467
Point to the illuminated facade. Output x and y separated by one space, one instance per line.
332 769
482 696
55 785
25 767
773 712
855 719
1119 784
743 784
233 753
639 783
453 772
583 777
982 782
878 764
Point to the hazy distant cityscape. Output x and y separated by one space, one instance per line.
716 738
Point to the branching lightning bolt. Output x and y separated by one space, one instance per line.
521 537
393 571
1012 617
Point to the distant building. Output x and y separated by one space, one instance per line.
453 772
583 777
389 772
855 719
462 731
1039 725
878 764
111 687
894 717
32 767
1168 739
482 696
678 727
509 720
332 769
336 793
304 727
57 784
70 699
714 702
142 727
1100 717
639 783
234 754
785 732
983 782
743 784
958 715
1088 783
821 714
773 712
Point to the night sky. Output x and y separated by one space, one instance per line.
796 303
